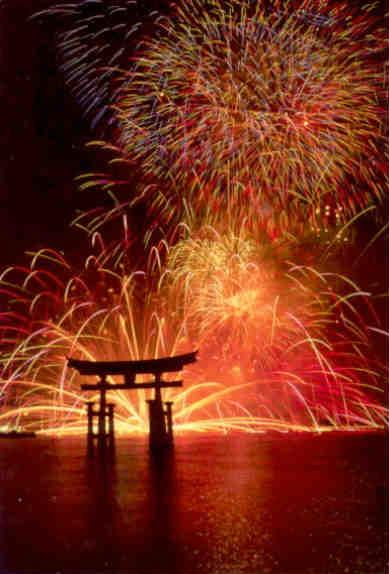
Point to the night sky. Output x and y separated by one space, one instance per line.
44 135
42 138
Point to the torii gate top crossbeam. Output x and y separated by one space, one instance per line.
146 366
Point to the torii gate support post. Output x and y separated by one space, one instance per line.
157 428
169 421
105 437
111 428
160 420
102 412
90 414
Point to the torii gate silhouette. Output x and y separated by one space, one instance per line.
160 420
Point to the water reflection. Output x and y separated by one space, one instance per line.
161 547
235 505
101 524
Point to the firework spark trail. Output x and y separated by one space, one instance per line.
260 320
280 365
168 212
94 40
272 114
76 318
261 98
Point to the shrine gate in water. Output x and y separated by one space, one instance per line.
160 412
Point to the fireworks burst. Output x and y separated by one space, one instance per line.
282 346
57 313
94 40
264 98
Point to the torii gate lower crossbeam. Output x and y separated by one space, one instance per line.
160 418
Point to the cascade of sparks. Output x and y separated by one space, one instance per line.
94 38
255 128
283 346
260 99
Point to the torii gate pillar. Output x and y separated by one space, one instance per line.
158 436
160 420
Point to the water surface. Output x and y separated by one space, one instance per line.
246 504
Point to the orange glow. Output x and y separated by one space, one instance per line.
279 348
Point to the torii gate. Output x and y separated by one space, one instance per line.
160 420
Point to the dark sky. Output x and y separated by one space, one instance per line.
42 137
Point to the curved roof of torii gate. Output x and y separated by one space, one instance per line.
145 366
